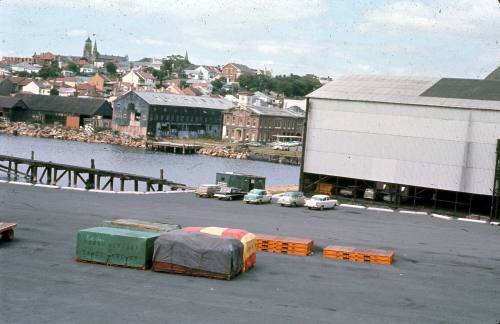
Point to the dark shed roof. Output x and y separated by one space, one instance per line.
464 89
72 105
11 102
494 76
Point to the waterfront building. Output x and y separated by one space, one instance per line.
414 141
252 122
66 111
163 114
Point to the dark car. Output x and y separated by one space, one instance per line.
230 193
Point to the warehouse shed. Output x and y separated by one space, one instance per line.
418 141
163 114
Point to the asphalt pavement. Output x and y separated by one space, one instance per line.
444 271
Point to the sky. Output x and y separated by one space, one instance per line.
459 38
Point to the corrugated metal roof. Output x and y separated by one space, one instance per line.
271 111
167 99
394 89
465 89
494 76
73 105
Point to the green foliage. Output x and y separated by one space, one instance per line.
50 70
289 85
174 64
73 67
217 85
111 68
54 92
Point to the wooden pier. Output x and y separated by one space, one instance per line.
170 147
51 173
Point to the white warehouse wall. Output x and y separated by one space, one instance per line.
434 147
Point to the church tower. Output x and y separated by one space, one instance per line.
186 57
95 53
87 49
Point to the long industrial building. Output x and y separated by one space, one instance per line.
409 141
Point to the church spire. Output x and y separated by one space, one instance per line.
186 56
95 53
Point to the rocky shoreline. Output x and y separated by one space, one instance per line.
87 134
224 152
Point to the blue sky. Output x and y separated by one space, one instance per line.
458 38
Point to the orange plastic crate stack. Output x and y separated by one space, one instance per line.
284 244
358 255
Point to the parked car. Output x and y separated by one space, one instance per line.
229 193
257 196
207 190
321 202
292 198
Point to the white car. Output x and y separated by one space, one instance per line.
321 202
292 198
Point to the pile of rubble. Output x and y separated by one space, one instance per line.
222 151
87 134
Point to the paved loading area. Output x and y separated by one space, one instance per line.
444 272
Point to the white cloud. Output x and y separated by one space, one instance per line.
75 33
457 17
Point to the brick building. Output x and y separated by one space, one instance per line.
248 122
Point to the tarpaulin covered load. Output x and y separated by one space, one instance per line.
116 246
248 240
198 254
141 225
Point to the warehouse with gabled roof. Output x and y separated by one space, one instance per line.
409 141
160 114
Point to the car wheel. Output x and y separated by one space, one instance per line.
282 205
322 207
294 204
309 208
230 198
247 202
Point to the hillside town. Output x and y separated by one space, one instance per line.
168 97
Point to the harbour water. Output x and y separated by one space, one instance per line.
188 169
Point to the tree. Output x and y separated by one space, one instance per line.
49 70
158 74
290 85
111 68
73 67
54 92
217 85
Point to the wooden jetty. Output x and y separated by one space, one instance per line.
50 173
171 147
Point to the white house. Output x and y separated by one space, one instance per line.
416 141
139 79
26 67
37 87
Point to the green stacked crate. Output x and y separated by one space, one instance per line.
116 246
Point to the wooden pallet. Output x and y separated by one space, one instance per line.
350 253
112 264
284 244
182 270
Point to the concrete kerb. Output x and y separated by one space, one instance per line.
402 211
381 209
41 185
352 206
441 216
472 220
